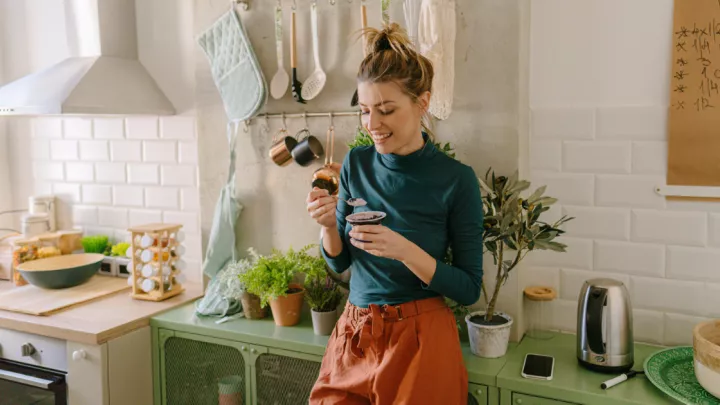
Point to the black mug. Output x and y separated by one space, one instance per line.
307 150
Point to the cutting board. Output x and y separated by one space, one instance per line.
33 300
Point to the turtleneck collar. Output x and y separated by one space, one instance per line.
419 157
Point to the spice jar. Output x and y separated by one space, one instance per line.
24 250
539 311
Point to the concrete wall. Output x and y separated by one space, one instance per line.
483 126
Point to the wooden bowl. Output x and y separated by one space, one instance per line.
706 353
61 271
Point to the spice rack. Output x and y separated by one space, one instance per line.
156 261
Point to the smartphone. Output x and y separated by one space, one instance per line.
538 366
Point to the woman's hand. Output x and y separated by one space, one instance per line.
381 241
321 207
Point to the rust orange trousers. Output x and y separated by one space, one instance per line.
407 354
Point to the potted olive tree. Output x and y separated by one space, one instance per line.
271 279
322 294
513 228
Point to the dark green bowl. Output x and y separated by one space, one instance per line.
61 271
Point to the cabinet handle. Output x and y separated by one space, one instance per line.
519 400
78 355
253 351
479 392
243 348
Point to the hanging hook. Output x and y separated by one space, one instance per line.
267 123
294 6
284 127
246 126
332 2
332 121
245 4
359 113
306 121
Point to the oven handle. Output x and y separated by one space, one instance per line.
25 379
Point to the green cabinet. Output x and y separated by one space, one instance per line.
522 399
279 366
478 394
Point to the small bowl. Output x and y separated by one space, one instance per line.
61 271
706 354
366 218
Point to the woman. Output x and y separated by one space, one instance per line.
397 341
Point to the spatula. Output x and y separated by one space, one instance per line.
315 83
279 83
296 85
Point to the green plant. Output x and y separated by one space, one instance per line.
321 292
512 226
120 249
363 139
229 278
96 244
270 276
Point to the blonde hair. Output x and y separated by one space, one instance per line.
391 57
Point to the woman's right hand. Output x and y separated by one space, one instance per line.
321 206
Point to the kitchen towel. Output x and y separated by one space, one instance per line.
234 66
221 243
436 36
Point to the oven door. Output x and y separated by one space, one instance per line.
22 384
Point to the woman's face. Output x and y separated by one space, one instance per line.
391 117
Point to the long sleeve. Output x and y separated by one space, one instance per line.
462 281
341 262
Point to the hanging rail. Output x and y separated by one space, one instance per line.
310 114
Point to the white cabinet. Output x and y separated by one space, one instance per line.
118 372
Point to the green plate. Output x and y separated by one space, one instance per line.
672 371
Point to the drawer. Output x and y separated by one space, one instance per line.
48 352
522 399
477 394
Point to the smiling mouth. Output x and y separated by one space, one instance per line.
380 138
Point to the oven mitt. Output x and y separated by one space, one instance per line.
221 243
234 67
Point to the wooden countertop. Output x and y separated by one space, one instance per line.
97 321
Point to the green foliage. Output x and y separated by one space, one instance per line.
96 244
270 276
230 277
321 292
120 249
362 138
512 225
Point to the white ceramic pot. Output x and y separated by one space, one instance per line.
706 353
489 341
324 322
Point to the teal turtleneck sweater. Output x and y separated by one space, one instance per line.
432 200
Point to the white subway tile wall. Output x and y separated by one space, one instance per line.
603 165
120 172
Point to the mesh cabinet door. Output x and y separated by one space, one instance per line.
284 380
193 368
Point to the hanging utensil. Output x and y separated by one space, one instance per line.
315 83
325 177
296 85
363 24
280 81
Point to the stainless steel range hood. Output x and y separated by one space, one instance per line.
103 75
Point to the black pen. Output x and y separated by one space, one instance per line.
622 377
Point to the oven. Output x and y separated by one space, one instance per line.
23 384
33 369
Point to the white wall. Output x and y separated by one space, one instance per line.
599 74
108 172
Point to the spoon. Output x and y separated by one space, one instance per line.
280 81
354 202
316 81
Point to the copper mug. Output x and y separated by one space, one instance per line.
281 149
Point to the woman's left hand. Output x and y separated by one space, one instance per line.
381 241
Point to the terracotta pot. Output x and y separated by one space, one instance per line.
286 310
251 306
